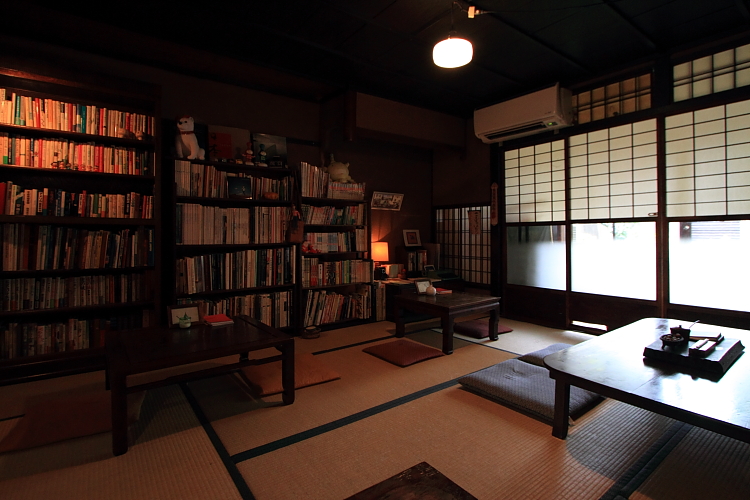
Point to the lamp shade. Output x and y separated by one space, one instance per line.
452 52
380 251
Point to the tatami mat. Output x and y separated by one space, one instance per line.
366 381
526 337
157 465
487 449
703 465
343 436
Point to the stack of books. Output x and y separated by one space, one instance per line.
218 320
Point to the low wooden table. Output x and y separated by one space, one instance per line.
613 365
146 350
447 307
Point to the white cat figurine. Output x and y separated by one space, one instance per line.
186 141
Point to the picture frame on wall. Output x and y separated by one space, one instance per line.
411 238
386 201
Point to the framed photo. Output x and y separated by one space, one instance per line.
239 187
193 311
411 238
428 268
386 201
422 285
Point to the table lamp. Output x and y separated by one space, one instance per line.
380 255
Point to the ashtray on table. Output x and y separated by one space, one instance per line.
672 340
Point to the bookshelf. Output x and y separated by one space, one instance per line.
79 215
228 251
337 283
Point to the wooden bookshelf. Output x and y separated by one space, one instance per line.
80 220
337 279
227 251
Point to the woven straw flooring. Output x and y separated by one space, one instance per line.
211 439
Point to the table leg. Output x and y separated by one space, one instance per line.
494 322
287 373
446 323
119 397
399 320
562 409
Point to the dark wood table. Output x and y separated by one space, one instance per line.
447 307
146 350
613 365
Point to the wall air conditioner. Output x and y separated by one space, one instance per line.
546 109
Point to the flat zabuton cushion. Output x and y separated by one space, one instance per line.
403 352
478 328
536 357
308 370
52 418
526 388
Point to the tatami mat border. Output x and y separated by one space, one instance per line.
234 473
322 429
641 469
347 346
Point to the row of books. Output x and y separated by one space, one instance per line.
350 241
322 273
209 225
15 200
379 293
37 112
42 247
416 260
352 215
207 181
236 270
31 339
31 294
61 154
196 179
346 190
324 307
314 181
273 309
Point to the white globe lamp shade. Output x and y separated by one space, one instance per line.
452 52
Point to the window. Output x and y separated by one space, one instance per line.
536 256
613 172
535 183
708 161
465 249
617 259
711 74
618 98
709 264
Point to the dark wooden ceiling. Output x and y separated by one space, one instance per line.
317 49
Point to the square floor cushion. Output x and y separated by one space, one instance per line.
537 357
403 352
52 418
526 388
478 328
265 379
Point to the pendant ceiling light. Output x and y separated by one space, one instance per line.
453 52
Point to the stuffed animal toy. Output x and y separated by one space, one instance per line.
186 141
339 172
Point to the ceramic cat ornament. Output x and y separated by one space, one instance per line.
186 141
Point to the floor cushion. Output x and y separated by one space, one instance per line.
526 388
265 379
52 418
403 352
478 328
536 357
